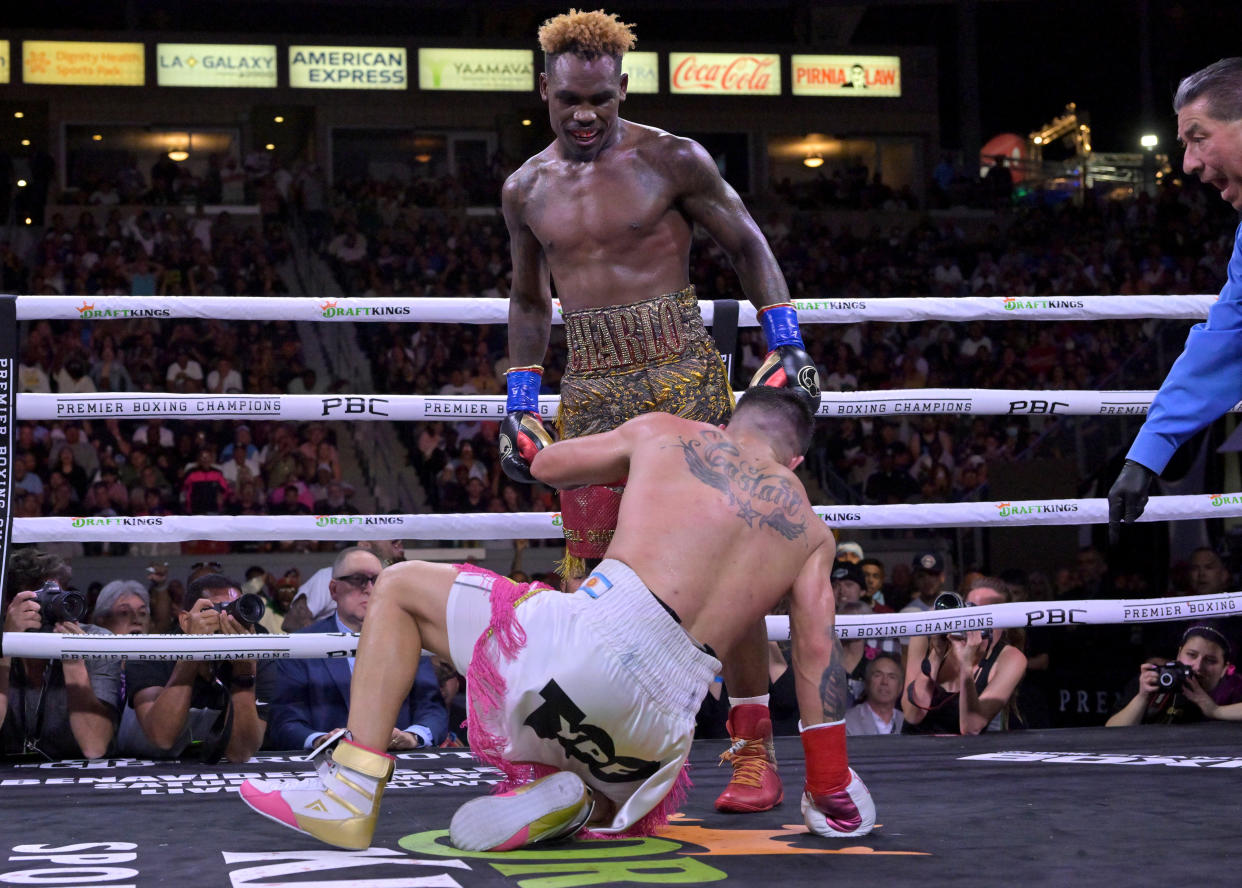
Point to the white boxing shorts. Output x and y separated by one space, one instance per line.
605 683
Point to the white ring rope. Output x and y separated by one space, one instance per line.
547 525
459 408
456 310
55 646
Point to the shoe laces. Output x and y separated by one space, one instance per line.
749 758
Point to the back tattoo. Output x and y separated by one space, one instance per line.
713 460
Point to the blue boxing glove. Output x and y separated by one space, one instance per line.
787 364
522 434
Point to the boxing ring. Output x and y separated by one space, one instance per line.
1030 807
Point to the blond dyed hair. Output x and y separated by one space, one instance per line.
587 34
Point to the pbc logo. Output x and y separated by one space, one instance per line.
1054 616
560 720
354 404
1035 407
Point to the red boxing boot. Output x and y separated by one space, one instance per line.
756 783
835 803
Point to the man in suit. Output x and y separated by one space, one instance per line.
878 713
312 698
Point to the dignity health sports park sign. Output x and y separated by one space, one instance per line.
83 63
846 76
215 64
725 73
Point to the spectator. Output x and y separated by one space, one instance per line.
215 710
239 468
31 374
59 708
314 599
851 552
205 488
335 501
73 379
1198 696
928 580
1208 576
123 608
964 683
847 582
873 592
224 379
84 451
184 374
878 712
313 695
153 433
108 373
307 383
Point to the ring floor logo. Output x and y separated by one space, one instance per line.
82 863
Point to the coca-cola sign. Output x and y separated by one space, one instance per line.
725 73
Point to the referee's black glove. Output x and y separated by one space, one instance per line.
1127 497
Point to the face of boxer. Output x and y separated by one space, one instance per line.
584 99
1206 658
1213 149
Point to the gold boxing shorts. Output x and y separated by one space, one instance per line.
626 360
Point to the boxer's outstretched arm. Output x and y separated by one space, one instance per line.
591 459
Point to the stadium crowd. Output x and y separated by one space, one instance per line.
389 239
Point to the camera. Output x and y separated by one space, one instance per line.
59 606
247 608
1171 676
947 601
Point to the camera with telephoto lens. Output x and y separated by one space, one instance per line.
57 605
950 600
1171 676
247 608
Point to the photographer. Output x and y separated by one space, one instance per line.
1199 690
962 684
214 709
60 708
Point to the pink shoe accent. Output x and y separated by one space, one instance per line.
271 804
379 752
519 839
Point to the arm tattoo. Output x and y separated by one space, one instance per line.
713 460
834 687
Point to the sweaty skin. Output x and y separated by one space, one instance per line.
607 210
712 521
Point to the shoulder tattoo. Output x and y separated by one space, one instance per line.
762 499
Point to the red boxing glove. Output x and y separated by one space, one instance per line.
522 435
835 803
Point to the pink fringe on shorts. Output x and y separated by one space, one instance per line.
486 693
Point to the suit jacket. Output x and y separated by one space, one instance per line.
858 720
312 696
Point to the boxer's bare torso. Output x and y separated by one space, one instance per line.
711 522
